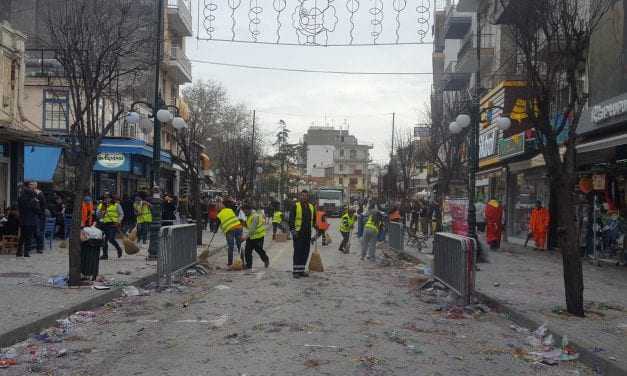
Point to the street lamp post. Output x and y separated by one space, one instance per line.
160 115
456 127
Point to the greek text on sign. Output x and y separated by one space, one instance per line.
600 113
111 160
487 144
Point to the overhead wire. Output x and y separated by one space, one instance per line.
302 70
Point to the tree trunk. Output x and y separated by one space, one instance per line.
85 169
195 206
568 238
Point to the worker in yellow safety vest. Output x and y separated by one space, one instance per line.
277 219
371 232
347 223
256 232
231 227
110 216
143 211
302 222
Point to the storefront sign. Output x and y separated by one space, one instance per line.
487 144
422 132
482 182
604 112
112 162
512 146
598 182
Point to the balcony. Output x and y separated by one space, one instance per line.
178 65
454 79
467 55
43 64
180 17
456 24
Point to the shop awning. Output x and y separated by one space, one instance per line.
606 143
40 162
131 146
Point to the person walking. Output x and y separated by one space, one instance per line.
322 226
110 215
87 211
30 210
347 223
480 215
169 209
130 218
143 212
372 227
277 219
41 223
231 227
539 225
494 223
213 217
302 220
256 233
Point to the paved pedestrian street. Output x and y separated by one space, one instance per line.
356 318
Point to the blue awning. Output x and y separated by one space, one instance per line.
131 146
40 162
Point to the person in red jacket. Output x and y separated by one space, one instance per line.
494 223
213 217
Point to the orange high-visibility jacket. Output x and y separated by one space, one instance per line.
539 220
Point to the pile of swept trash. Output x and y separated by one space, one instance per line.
543 347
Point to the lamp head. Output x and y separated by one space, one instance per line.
132 117
179 124
164 116
503 123
454 128
463 120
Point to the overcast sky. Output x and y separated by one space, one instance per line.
365 103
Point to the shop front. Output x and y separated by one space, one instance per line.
527 183
490 182
123 167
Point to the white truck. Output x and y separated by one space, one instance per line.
331 200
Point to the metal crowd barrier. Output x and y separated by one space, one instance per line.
178 251
396 235
454 263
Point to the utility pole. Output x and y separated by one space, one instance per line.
391 165
154 248
252 156
474 136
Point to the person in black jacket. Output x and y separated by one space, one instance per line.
302 221
41 223
169 209
30 210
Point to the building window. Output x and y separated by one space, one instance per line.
56 110
353 181
353 154
342 153
341 180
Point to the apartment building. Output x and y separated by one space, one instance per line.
124 165
337 156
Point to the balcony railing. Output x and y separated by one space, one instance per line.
43 63
177 55
488 41
182 8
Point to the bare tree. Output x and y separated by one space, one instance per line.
205 101
233 151
406 159
97 43
552 39
444 150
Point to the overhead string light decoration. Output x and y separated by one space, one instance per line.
376 11
209 17
399 6
315 22
353 7
233 4
424 14
254 17
279 7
